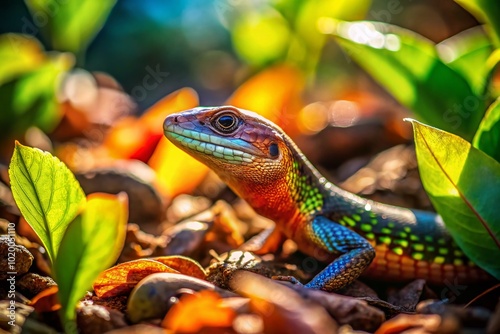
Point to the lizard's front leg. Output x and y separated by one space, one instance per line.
356 253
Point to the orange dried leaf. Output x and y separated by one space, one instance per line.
183 264
182 99
125 138
133 138
46 301
198 311
169 162
427 323
273 93
122 278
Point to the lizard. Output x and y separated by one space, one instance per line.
355 235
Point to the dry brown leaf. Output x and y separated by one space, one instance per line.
183 265
46 301
409 296
122 278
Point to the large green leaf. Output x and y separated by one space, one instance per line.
312 14
70 25
463 184
467 53
408 66
91 244
487 137
487 11
492 66
47 194
313 11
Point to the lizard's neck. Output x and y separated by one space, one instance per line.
292 198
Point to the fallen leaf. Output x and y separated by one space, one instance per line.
273 93
183 265
46 301
428 323
198 311
137 138
169 161
182 99
409 296
122 278
126 138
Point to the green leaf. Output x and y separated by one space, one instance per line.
71 24
467 53
463 184
18 54
487 137
29 81
492 65
91 244
408 66
312 14
312 11
47 194
486 11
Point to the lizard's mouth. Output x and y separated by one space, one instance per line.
235 151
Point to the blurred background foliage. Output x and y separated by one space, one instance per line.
213 45
73 68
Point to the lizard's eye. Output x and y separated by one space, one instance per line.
274 150
226 123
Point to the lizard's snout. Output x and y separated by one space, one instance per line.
169 121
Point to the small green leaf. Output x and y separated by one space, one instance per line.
47 194
408 66
91 244
486 11
467 53
463 184
487 137
71 24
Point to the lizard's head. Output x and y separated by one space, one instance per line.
237 144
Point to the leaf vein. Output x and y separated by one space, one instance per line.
462 196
